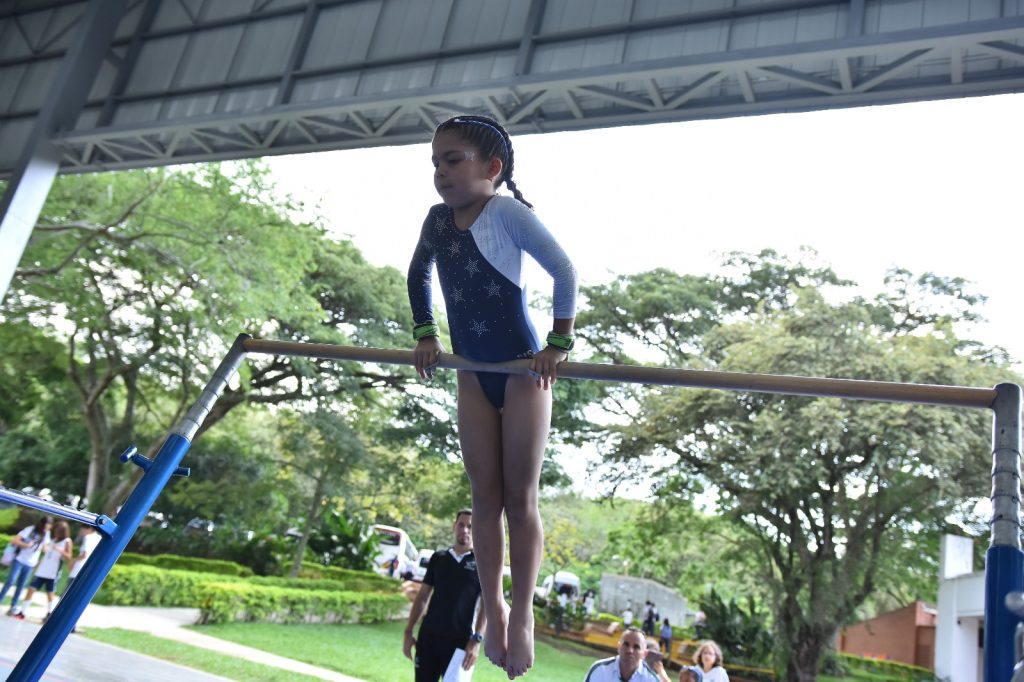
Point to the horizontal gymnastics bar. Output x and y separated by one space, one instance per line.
957 396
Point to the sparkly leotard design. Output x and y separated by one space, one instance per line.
480 270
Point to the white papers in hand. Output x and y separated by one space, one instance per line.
455 673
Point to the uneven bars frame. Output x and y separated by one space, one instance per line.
1004 571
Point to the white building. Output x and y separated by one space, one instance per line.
958 633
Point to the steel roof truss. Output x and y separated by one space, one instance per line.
803 79
617 96
218 136
808 75
304 129
888 71
1004 49
336 126
527 106
704 82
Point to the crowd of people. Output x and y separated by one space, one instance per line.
449 606
40 552
639 659
452 619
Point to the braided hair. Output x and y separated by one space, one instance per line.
492 140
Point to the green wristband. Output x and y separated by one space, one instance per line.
563 342
422 331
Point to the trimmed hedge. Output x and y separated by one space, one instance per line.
227 598
890 669
153 586
9 518
186 563
347 585
227 602
359 581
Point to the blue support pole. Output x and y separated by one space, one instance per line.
158 472
1004 562
60 623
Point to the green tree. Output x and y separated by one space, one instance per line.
140 274
144 277
325 450
822 490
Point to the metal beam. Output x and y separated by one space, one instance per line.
534 19
40 158
124 69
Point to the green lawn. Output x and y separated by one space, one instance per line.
374 652
194 657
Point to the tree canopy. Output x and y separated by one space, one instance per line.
825 492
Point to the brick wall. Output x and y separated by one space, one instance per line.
906 635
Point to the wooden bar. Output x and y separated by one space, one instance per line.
855 389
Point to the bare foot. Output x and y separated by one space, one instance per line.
496 636
520 643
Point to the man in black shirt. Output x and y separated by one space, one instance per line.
452 588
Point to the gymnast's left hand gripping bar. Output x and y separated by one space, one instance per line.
49 639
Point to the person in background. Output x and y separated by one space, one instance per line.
29 541
655 661
588 602
691 673
709 658
89 539
627 617
649 618
630 664
448 596
666 638
55 552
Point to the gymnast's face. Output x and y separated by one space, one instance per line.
461 177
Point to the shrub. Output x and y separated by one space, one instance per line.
153 586
184 563
9 518
131 559
329 585
244 601
359 581
602 617
890 669
5 539
146 585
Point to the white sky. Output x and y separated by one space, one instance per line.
932 186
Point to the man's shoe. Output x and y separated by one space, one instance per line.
19 615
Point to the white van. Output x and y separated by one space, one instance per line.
420 569
562 581
391 543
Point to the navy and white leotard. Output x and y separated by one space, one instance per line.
481 275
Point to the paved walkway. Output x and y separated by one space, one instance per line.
167 624
84 660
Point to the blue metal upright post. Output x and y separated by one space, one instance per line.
57 627
1004 562
157 473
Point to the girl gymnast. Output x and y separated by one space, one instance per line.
477 240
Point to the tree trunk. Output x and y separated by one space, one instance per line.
98 453
312 518
803 661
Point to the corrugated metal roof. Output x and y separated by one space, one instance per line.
201 79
